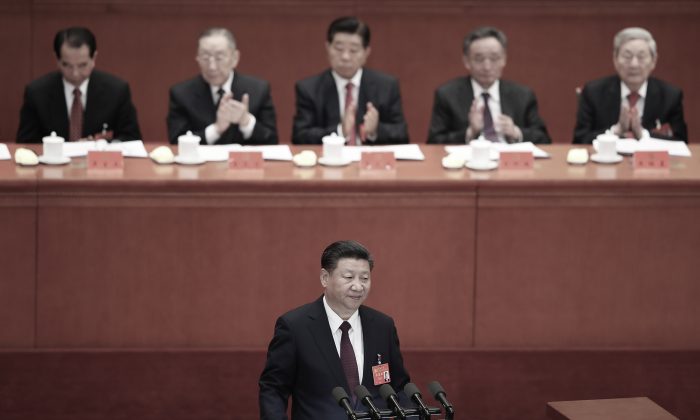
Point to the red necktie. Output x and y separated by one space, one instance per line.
347 359
76 117
489 129
348 102
632 99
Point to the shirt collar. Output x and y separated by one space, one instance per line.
226 86
493 91
334 320
68 88
341 81
624 90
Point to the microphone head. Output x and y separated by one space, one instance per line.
339 394
435 388
411 389
386 391
361 392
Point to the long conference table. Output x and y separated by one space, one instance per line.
168 256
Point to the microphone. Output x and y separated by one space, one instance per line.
341 397
392 400
413 393
364 396
439 394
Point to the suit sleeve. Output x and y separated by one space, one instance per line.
29 130
534 129
305 128
127 124
277 378
585 130
392 128
399 375
443 129
265 131
178 120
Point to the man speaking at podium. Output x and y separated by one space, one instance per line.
333 341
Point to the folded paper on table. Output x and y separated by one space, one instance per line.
401 151
219 152
4 152
466 150
133 148
673 147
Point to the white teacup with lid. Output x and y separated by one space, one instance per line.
188 147
53 147
333 146
481 150
606 145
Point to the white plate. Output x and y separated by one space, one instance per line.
198 161
598 158
54 161
335 162
482 165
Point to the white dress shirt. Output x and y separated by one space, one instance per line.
624 92
68 92
211 135
340 84
355 334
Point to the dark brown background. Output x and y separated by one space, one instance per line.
555 46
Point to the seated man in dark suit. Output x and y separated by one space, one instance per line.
360 104
77 102
631 104
333 341
482 103
222 106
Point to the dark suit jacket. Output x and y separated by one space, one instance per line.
318 109
302 361
599 109
192 108
450 119
108 101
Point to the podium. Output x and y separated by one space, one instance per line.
639 408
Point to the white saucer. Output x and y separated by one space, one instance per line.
335 162
482 165
598 158
198 161
54 161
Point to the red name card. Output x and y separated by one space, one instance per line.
378 160
516 160
651 160
245 160
105 160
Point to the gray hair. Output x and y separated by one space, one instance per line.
219 31
629 34
481 33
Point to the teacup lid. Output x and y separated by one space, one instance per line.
189 136
53 138
481 141
333 138
607 135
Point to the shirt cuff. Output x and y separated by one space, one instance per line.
247 130
210 134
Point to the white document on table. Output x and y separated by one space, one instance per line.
132 148
465 151
219 152
4 152
401 151
673 147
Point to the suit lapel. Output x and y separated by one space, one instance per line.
95 97
57 108
203 98
652 104
370 341
330 91
612 102
321 332
467 96
506 103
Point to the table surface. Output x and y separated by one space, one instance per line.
639 408
551 171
